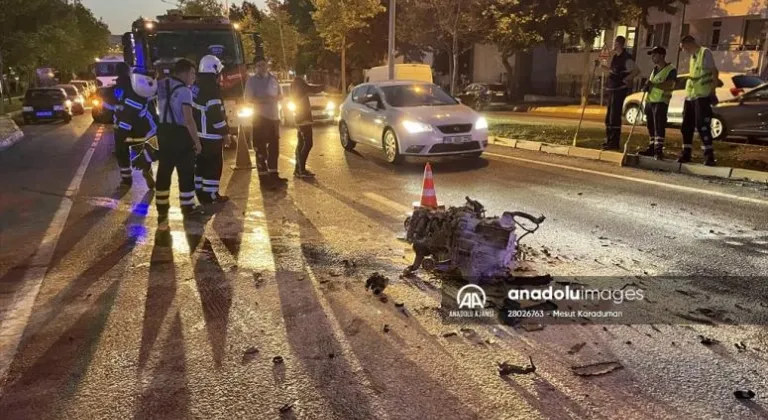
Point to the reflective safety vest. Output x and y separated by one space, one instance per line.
657 94
700 83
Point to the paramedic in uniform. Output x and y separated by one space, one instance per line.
178 142
263 90
212 128
699 98
621 71
659 92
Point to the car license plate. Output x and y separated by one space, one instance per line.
499 93
457 139
45 114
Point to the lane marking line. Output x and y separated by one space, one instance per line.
638 180
399 208
17 316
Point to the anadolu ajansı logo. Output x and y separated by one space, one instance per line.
471 300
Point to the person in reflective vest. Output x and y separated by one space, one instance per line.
212 128
621 71
659 92
699 99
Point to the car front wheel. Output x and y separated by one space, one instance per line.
346 141
632 113
391 148
718 128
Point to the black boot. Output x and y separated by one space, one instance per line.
709 158
685 156
650 151
277 179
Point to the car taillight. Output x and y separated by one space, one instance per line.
736 91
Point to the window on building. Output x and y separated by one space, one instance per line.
628 32
658 35
599 41
573 43
715 39
754 33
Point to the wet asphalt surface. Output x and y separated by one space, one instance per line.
124 329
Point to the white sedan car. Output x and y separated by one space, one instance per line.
323 108
410 119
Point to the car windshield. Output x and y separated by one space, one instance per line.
71 90
43 94
105 69
743 81
402 96
194 44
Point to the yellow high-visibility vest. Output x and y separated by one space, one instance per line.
700 82
658 94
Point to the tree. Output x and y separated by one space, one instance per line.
337 19
453 26
281 38
202 7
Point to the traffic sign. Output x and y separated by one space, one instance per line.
605 53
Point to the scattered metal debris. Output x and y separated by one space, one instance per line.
450 334
376 283
278 360
335 273
383 299
331 355
506 369
532 327
707 341
399 305
576 348
286 408
251 350
741 346
596 369
744 395
258 278
387 328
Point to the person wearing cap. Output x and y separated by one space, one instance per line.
262 89
699 99
658 93
621 71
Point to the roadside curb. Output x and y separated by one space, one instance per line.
636 161
10 133
558 110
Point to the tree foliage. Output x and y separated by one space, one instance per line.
202 7
281 38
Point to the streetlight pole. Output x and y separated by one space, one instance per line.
391 61
2 91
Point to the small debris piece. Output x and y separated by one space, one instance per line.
278 360
711 231
251 350
286 408
376 283
506 369
532 327
399 305
580 194
450 334
334 273
387 328
629 343
596 369
707 341
744 395
383 299
258 279
653 204
576 348
741 346
331 355
603 238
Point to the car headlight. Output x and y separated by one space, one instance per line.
96 102
27 109
481 124
415 127
291 107
58 107
68 103
330 106
245 111
79 99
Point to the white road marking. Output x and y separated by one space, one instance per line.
638 180
400 208
17 316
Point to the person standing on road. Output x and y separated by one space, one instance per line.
263 90
699 99
212 128
178 141
659 92
621 71
301 90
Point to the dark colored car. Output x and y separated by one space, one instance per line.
46 104
479 96
78 101
98 112
745 115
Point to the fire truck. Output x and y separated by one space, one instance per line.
156 44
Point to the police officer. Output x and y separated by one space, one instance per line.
263 90
135 120
178 141
300 90
699 97
212 128
659 92
621 71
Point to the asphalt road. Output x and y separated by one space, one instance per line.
114 327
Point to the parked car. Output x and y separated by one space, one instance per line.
479 96
78 102
46 104
729 86
746 115
98 112
410 119
83 87
323 108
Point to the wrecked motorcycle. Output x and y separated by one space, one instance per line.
463 238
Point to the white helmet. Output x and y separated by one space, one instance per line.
144 86
210 64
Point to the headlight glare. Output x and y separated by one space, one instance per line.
245 111
291 107
481 124
415 127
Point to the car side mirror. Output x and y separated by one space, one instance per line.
457 99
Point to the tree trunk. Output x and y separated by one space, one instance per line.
344 64
454 62
588 71
509 69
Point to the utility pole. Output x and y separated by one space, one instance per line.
679 38
276 11
2 91
391 61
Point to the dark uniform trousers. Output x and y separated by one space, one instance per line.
303 146
613 115
266 139
697 116
208 169
656 120
176 152
123 155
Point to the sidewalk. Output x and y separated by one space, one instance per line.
592 110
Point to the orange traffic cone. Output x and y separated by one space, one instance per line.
243 157
428 196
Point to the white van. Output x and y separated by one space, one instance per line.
410 72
